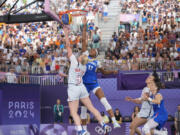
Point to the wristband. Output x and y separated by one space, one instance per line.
150 99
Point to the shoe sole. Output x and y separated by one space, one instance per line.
117 127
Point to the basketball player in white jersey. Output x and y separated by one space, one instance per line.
146 110
77 90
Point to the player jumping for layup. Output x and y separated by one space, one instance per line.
90 80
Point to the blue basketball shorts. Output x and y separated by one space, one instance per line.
92 87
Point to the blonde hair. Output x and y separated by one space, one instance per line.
84 59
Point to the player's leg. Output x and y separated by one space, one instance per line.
100 94
137 131
74 93
84 110
149 126
135 124
159 132
83 116
73 106
87 102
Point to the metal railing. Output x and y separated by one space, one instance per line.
44 80
37 69
139 66
107 64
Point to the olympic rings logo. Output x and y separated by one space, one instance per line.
100 131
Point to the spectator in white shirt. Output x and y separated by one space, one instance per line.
11 77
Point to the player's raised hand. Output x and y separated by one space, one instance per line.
66 30
84 20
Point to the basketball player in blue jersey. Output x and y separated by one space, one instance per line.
158 120
146 111
91 83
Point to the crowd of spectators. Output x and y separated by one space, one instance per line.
39 48
154 43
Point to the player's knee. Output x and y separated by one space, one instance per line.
83 112
106 103
146 129
132 126
95 90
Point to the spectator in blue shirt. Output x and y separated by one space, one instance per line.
22 51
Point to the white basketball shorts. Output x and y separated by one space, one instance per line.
76 92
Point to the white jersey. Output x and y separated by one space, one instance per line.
76 71
145 104
146 107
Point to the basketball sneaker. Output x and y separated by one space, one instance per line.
83 132
106 129
116 125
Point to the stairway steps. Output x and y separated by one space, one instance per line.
108 28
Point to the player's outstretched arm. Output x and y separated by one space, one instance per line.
136 100
69 50
84 35
106 72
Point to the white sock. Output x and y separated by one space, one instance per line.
85 127
79 128
114 120
102 123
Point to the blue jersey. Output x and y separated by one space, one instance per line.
160 114
90 76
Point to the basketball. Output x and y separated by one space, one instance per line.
66 19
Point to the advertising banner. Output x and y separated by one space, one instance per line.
129 17
20 104
49 96
0 107
66 129
19 130
94 129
